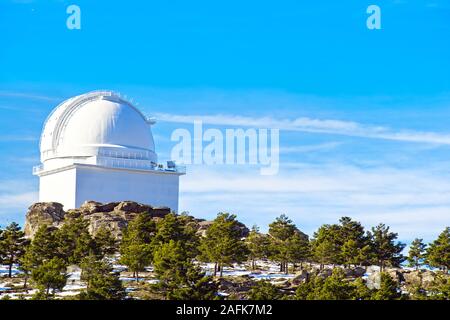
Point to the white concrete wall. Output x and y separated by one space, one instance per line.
59 187
106 185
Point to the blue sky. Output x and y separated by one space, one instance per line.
363 113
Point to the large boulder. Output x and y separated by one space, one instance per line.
301 277
356 272
325 273
374 280
413 278
43 213
395 274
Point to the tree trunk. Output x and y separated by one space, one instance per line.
137 276
47 292
10 271
215 269
221 270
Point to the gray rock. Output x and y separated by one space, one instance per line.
43 213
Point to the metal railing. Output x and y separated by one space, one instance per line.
126 164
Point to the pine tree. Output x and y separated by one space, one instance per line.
74 240
416 253
438 253
178 228
140 230
44 246
135 249
361 291
287 243
105 243
440 288
50 275
264 290
136 256
389 289
298 249
355 247
385 250
179 278
223 243
258 246
12 246
102 283
310 289
326 247
336 288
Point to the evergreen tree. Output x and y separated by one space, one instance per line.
336 288
385 250
298 249
264 290
361 291
326 246
310 289
440 288
416 253
50 275
43 247
102 283
140 230
258 246
105 243
12 246
178 228
179 278
136 256
355 247
135 249
389 289
287 243
223 242
74 240
438 253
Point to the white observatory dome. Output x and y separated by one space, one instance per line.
97 124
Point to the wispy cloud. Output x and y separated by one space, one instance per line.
305 124
415 202
327 146
31 96
15 198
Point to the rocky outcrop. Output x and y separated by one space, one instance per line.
356 272
43 213
419 278
114 216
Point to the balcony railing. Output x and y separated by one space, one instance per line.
126 164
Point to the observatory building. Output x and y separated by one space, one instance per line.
98 146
